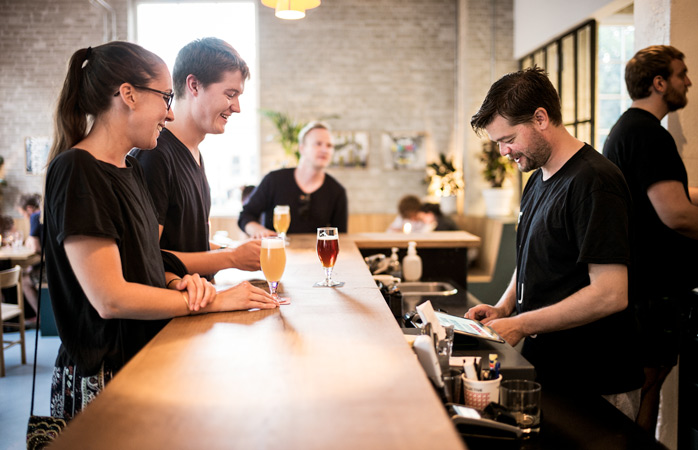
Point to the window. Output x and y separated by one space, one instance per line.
232 158
570 63
616 44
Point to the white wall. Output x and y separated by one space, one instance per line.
537 22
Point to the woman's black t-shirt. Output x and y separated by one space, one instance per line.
88 197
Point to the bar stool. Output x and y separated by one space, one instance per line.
8 279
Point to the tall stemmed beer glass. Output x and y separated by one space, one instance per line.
282 219
272 258
327 250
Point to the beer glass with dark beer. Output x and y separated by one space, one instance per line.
327 250
272 258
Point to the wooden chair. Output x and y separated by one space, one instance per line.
8 279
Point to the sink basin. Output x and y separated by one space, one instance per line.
434 288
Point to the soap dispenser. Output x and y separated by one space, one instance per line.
412 263
394 268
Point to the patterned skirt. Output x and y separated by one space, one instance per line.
70 392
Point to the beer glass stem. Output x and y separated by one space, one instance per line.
272 289
328 275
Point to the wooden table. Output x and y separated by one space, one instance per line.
330 371
17 254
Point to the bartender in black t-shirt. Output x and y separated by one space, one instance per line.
570 288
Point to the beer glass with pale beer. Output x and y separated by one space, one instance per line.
282 219
327 250
272 258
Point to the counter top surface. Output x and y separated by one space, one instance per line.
434 239
330 370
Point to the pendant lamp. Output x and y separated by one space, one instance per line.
291 9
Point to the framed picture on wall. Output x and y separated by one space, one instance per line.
350 149
404 150
37 154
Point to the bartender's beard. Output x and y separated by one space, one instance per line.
674 99
536 155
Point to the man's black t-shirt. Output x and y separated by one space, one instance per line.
664 261
88 197
180 192
326 207
577 217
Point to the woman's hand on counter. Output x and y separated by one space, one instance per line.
200 292
244 296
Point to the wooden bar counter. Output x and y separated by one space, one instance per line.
331 370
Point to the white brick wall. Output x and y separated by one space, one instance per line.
381 65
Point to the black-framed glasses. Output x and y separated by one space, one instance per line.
167 96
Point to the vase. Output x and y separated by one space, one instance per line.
449 204
498 201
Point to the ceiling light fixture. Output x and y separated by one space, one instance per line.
291 9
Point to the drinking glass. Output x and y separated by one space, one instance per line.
522 399
272 258
282 219
327 250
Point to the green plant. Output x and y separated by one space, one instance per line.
443 177
288 130
497 167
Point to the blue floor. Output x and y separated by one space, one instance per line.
15 388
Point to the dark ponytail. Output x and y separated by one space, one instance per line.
94 75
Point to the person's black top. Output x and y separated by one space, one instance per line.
577 217
88 197
180 192
665 261
326 207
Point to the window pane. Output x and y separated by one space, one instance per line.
552 68
628 42
610 78
609 111
567 89
539 58
610 43
584 132
584 74
527 62
615 49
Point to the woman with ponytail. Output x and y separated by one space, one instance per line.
109 288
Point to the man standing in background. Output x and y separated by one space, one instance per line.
208 77
664 214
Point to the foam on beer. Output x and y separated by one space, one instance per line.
272 243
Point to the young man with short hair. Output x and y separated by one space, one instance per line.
208 78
